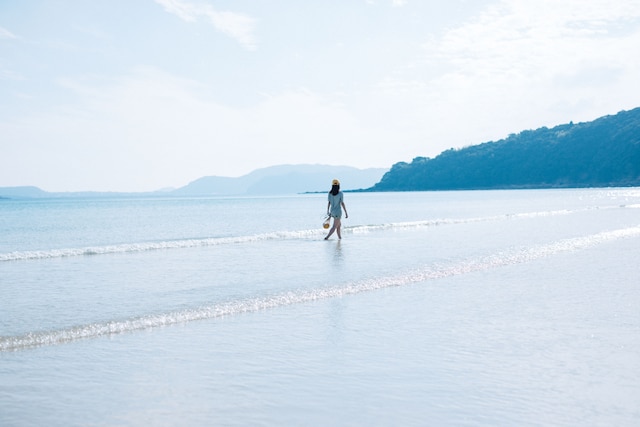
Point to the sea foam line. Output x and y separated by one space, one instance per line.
454 221
250 305
151 246
277 235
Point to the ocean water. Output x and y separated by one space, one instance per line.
477 308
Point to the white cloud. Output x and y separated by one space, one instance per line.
185 11
532 40
238 26
399 3
518 65
235 25
151 129
511 65
6 34
6 73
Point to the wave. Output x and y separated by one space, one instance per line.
426 274
455 221
277 235
151 246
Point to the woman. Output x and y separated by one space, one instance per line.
334 208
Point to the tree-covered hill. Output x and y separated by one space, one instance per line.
601 153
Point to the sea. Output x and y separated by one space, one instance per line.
461 308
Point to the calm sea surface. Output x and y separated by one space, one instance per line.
478 308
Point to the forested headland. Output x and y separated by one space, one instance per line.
601 153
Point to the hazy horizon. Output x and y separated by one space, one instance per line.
281 171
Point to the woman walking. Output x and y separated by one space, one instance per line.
334 208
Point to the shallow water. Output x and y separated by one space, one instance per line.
452 308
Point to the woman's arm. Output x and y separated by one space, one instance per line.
346 215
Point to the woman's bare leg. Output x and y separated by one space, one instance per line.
336 227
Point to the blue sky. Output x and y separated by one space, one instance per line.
137 95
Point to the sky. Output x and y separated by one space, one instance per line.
141 95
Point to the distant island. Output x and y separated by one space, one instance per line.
284 179
273 180
601 153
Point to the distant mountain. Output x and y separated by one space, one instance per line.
284 179
37 193
21 192
601 153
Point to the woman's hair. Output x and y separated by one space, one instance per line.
335 189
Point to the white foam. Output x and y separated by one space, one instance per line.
425 274
276 235
152 246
